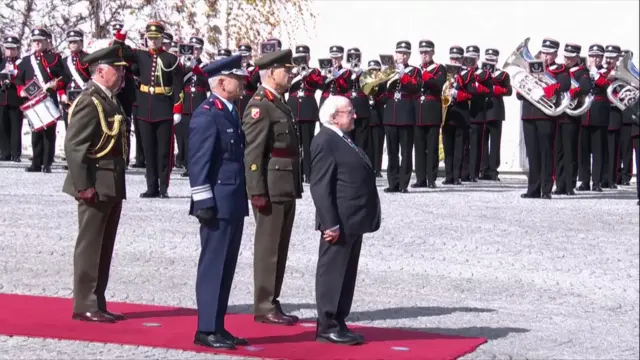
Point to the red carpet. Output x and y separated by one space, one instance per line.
173 328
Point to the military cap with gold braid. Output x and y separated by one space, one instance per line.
281 58
154 29
112 55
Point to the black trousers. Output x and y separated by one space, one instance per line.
636 145
136 132
306 132
43 144
157 142
399 144
626 153
612 159
336 280
476 148
593 142
361 135
491 148
182 138
10 132
377 147
539 138
566 155
426 143
453 137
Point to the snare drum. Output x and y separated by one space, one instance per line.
41 112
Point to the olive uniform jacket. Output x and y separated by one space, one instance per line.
272 153
95 145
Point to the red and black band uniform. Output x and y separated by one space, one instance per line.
10 113
626 151
493 127
127 98
376 111
483 91
361 133
49 66
613 158
304 107
593 135
158 99
428 122
567 135
539 134
251 83
75 85
455 127
196 86
632 115
399 119
339 85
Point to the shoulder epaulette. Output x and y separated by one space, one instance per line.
269 95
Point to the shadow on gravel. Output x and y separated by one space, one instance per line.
622 195
161 313
491 333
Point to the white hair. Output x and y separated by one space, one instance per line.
330 107
264 75
213 82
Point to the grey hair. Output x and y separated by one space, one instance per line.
264 74
213 82
330 107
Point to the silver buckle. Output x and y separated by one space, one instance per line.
152 90
422 98
300 94
193 89
354 94
397 96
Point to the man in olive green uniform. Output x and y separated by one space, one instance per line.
272 161
95 148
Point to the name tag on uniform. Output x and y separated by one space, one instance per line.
229 130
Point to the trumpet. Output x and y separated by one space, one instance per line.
626 83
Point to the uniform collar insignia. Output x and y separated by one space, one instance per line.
269 95
219 105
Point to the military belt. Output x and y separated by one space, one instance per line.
282 153
197 89
153 90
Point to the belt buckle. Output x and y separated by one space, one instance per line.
422 98
300 94
193 89
152 90
354 94
397 96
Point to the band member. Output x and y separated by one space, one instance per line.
159 102
303 104
10 114
360 133
399 118
593 133
252 80
272 167
568 130
195 93
338 79
428 117
376 108
612 161
47 69
495 117
95 149
632 112
167 41
539 128
175 48
78 72
455 124
217 155
626 146
223 53
483 91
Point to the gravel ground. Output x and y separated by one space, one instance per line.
540 279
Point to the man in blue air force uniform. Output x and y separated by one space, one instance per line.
218 197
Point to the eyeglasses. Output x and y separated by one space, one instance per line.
349 112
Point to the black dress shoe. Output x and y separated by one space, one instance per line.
419 184
340 337
466 179
458 182
625 183
163 195
559 192
16 159
596 188
116 316
432 185
404 191
185 174
448 182
33 169
613 186
546 196
214 341
530 196
391 190
571 192
233 339
149 194
138 166
584 187
46 170
93 316
474 179
274 319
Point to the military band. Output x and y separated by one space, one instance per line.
10 113
495 116
77 72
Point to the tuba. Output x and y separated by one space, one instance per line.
370 79
574 109
626 83
517 66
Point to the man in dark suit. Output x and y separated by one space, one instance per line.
343 188
95 147
218 197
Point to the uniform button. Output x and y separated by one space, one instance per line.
277 167
218 181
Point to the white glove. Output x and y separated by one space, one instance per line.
594 73
454 93
335 73
537 94
64 99
176 118
51 85
127 24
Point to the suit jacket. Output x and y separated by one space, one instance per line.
343 186
216 161
95 145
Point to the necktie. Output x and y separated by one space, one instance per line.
357 149
234 112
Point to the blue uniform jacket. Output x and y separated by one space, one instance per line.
216 161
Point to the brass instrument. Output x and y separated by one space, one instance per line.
626 83
518 66
445 97
371 79
573 109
